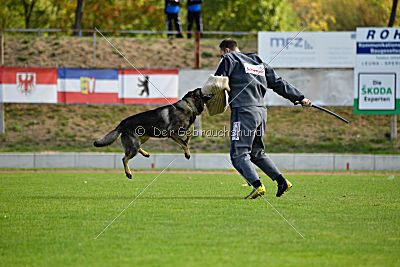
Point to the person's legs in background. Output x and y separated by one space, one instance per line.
168 23
190 19
194 17
178 25
199 22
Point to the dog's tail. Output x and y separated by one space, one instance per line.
108 139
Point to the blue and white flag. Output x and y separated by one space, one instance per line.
87 86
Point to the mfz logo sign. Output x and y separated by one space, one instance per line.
88 85
298 42
26 82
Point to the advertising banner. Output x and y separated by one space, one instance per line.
88 86
28 85
307 49
377 71
159 86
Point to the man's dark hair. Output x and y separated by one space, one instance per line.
228 43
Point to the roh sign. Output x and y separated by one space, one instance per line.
376 75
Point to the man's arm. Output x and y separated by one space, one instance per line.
225 67
221 68
283 88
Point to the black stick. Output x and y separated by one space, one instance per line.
326 110
330 112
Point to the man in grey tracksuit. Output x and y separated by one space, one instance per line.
249 78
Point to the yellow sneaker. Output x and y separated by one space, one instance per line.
256 192
282 188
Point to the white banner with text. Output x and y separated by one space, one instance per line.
307 49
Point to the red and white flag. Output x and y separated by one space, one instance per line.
148 86
28 85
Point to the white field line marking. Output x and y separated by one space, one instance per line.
133 66
277 211
284 217
267 64
134 199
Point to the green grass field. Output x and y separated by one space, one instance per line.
51 219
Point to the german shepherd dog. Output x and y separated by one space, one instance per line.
171 121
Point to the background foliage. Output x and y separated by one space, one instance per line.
222 15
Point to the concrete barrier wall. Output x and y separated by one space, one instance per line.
330 87
197 161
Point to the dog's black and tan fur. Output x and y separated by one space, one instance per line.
167 121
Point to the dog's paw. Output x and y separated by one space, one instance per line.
146 155
128 175
187 156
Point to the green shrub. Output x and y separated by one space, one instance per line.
31 123
207 54
14 127
22 58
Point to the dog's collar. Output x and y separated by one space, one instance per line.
190 106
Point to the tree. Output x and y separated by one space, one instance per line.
393 13
78 16
250 15
10 15
311 15
218 15
28 8
124 15
350 14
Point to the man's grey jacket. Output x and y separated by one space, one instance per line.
249 78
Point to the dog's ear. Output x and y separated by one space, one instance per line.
198 91
189 94
207 97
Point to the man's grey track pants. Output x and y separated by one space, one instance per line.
247 146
